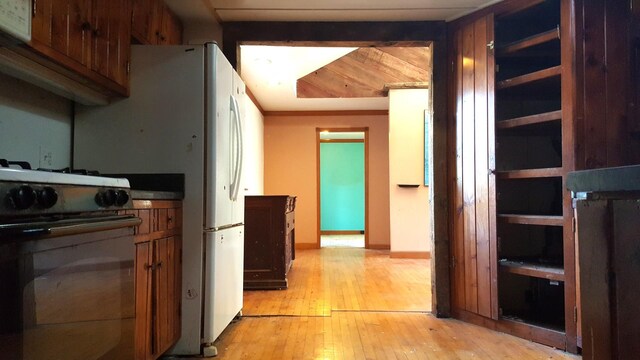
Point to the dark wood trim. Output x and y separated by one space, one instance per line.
329 113
439 186
380 34
534 333
314 33
255 101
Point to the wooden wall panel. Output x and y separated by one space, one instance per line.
474 274
606 132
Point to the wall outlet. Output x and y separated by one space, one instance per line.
46 158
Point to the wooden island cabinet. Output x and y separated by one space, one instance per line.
269 245
158 265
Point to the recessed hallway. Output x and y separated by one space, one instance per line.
360 304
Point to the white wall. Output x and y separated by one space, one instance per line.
34 122
408 207
199 33
253 165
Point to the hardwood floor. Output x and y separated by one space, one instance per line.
360 304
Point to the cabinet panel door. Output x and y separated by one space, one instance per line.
111 32
474 248
70 29
41 21
165 278
142 19
143 301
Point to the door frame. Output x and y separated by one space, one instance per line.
364 130
357 34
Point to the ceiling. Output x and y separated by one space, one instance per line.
271 72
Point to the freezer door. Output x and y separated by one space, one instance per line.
221 134
238 150
223 280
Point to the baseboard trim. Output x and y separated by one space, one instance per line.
410 255
379 247
342 232
306 246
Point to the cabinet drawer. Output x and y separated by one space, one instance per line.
290 221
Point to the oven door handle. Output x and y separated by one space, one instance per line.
64 229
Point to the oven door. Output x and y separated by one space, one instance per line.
67 289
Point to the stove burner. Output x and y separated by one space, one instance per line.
23 164
69 170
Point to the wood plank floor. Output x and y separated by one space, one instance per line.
360 304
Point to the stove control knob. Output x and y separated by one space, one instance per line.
121 197
106 198
47 197
22 197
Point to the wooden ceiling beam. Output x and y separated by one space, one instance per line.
365 72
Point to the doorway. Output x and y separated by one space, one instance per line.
342 180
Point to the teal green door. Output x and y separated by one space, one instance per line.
342 186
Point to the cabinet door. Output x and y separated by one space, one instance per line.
166 296
71 29
111 29
141 19
171 28
143 300
474 244
41 21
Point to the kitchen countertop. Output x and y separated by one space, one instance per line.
156 195
615 179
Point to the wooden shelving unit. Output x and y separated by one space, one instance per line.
529 179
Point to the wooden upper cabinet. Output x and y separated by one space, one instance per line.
141 19
63 25
155 24
110 34
88 41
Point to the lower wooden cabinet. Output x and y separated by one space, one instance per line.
158 276
269 244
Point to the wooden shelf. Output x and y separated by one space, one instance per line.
530 78
541 271
547 36
529 120
530 173
545 220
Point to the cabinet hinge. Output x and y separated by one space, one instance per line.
491 45
34 8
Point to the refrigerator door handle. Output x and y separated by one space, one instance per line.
233 189
240 152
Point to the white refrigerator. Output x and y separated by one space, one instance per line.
184 115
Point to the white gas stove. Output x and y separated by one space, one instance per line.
24 191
